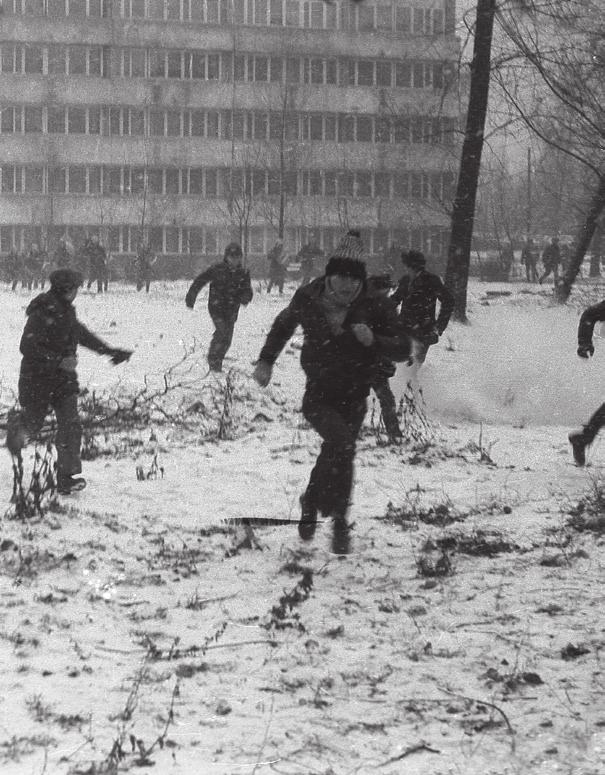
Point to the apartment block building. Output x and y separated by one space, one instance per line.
192 122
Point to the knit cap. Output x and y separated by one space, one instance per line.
65 279
347 258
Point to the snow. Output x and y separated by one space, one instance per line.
131 587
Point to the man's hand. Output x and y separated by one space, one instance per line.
69 363
189 302
117 355
586 350
363 334
262 373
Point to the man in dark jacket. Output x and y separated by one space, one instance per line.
346 334
307 256
13 267
277 267
551 260
418 292
48 378
143 262
530 259
579 440
230 288
61 256
95 257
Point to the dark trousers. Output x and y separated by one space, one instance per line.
531 272
388 407
101 276
143 281
34 409
338 422
547 270
594 425
221 340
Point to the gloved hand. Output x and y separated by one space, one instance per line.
69 363
189 301
116 355
363 333
586 350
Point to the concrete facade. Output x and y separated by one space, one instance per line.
188 121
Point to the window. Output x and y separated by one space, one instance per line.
94 180
382 184
261 67
383 73
115 122
156 123
173 123
315 183
173 9
76 7
76 123
419 75
383 130
137 63
365 73
330 125
9 180
403 18
77 180
212 185
329 183
437 75
213 71
347 129
197 123
260 126
418 21
365 17
293 70
196 181
402 130
56 180
95 61
238 11
33 7
174 64
197 62
346 183
260 11
137 122
277 69
331 71
212 12
172 239
212 125
33 59
56 60
403 74
316 126
156 64
363 184
416 126
292 13
258 182
33 119
364 129
276 17
172 180
155 181
401 183
384 18
155 9
437 21
7 120
317 71
137 180
55 7
416 185
316 18
11 58
195 241
94 121
77 60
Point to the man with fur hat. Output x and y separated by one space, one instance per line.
346 334
418 292
48 378
230 288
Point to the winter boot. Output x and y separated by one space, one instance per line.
308 519
341 536
68 484
15 433
578 447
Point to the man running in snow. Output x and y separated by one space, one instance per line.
346 334
48 378
418 292
95 256
230 288
579 440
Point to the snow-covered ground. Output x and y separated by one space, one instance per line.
134 587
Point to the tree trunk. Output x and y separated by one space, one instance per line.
597 206
596 251
459 251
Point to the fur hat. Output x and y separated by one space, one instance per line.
233 249
62 280
414 259
347 258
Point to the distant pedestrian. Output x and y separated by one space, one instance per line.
13 267
34 267
277 267
551 260
230 288
418 293
346 334
579 440
94 257
48 378
529 258
308 255
379 286
143 263
62 257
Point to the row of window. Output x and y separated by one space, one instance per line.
313 14
222 66
238 125
211 240
223 182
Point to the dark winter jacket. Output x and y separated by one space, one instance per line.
143 262
95 256
418 297
61 257
229 288
337 365
551 256
52 332
588 319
